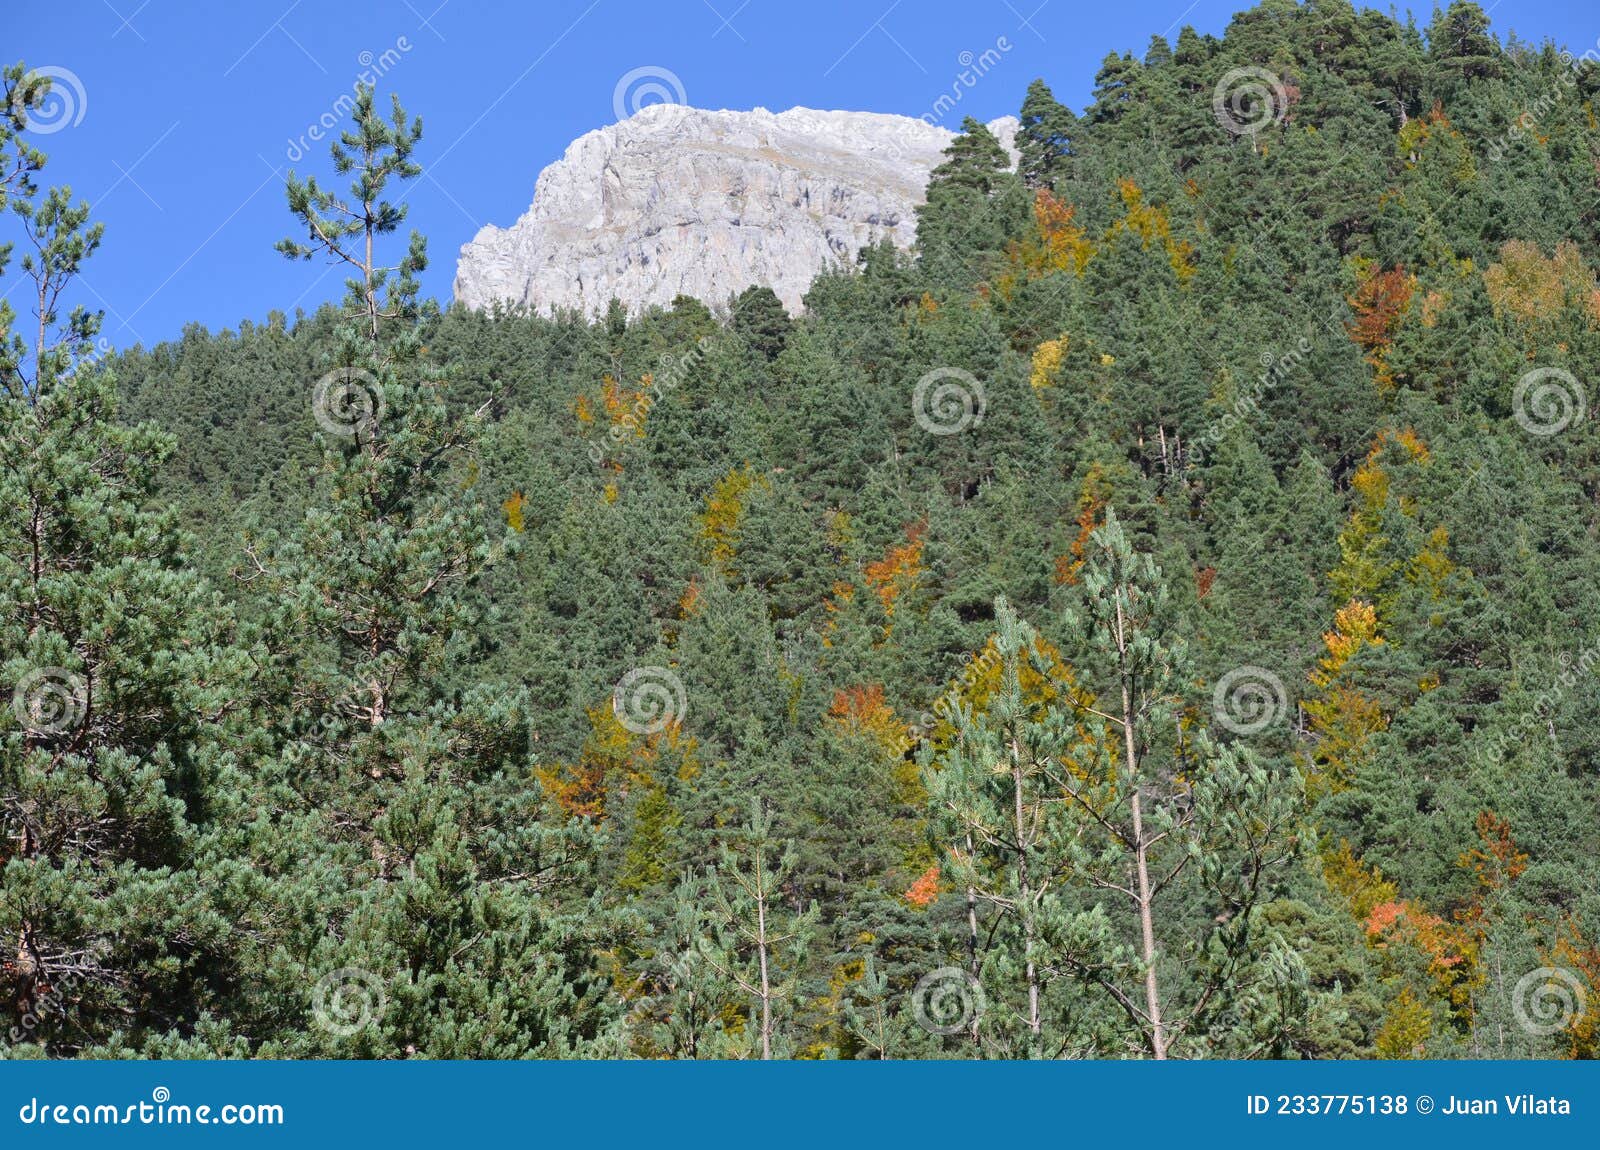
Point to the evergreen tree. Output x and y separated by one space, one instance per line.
1044 138
757 941
124 678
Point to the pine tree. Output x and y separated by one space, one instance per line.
1155 802
997 790
973 207
348 229
398 773
119 684
758 941
1044 138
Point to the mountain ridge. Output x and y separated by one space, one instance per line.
685 201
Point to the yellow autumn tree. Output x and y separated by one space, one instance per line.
1152 226
719 524
1368 563
1532 290
1342 717
1047 359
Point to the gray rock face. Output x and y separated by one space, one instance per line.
680 201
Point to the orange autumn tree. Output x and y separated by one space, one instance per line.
1421 956
863 711
1380 305
1093 497
1416 943
1578 955
613 760
880 583
899 568
921 893
862 715
1056 245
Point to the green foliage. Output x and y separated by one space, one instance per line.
337 606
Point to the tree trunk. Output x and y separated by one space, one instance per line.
972 935
1025 901
1152 989
761 951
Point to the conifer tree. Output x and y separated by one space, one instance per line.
118 681
1163 817
1044 138
398 773
758 941
997 791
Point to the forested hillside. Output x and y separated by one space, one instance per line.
1159 617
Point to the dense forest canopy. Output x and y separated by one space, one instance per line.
1157 617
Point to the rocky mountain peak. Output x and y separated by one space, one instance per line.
683 201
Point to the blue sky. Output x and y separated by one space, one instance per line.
186 114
